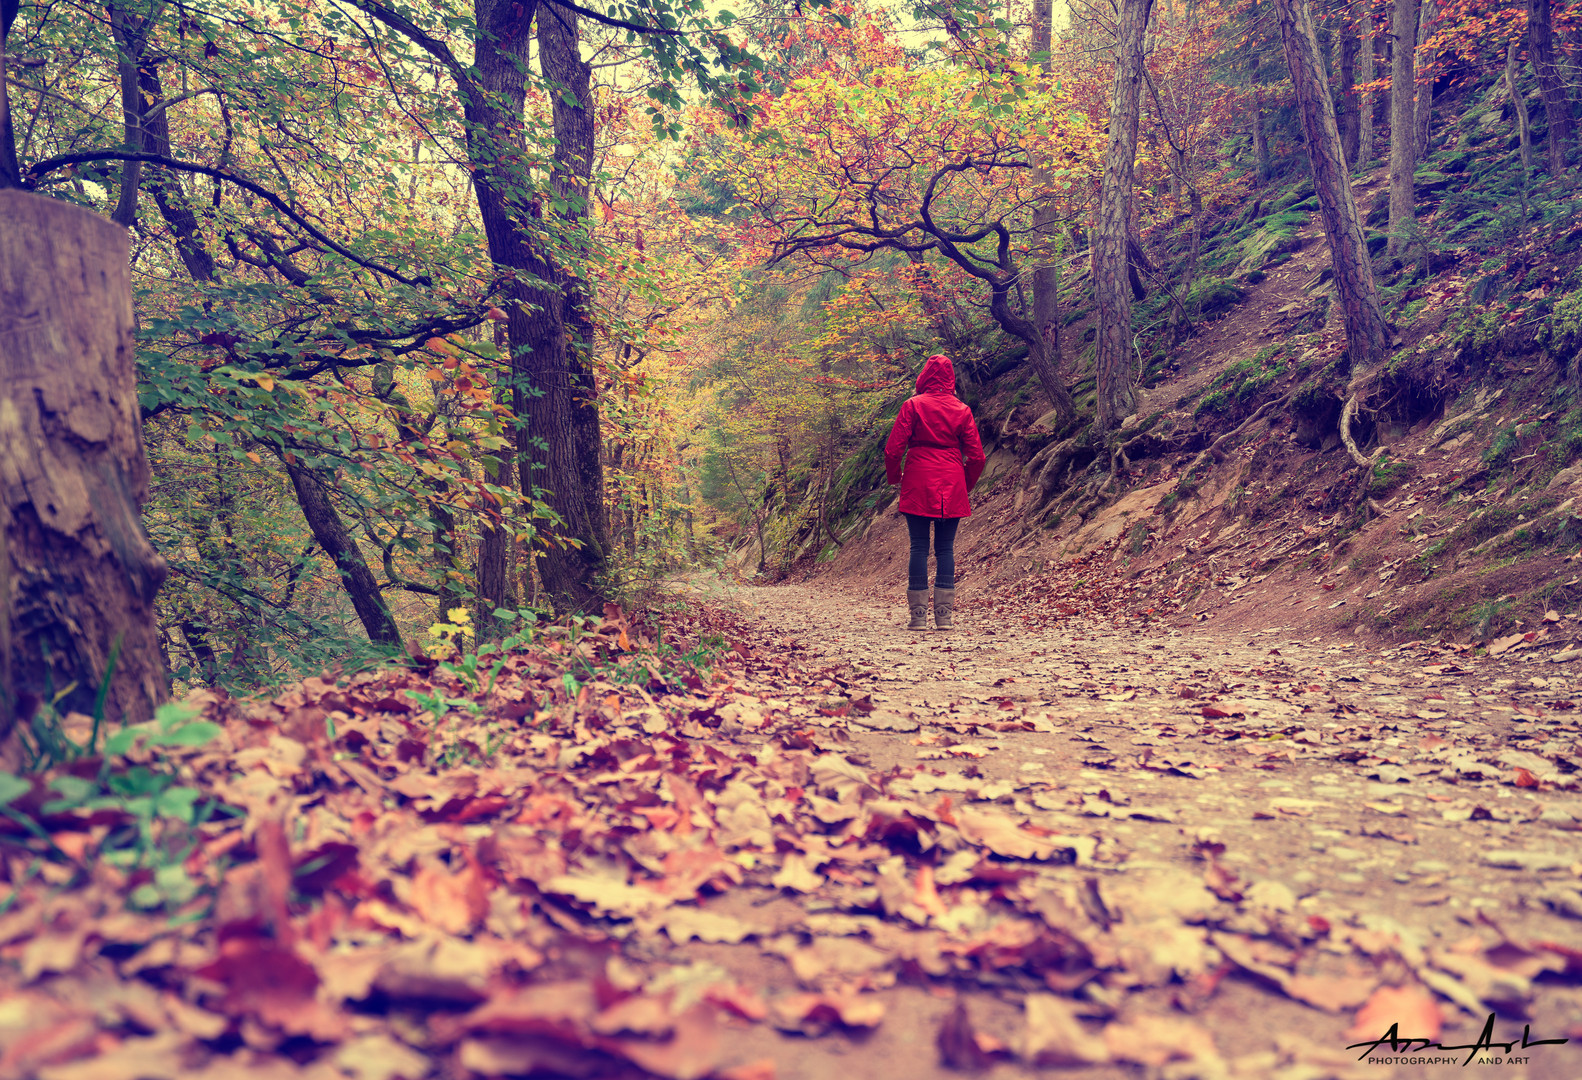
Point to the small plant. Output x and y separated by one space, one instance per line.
153 818
452 636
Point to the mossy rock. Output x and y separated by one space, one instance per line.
1376 241
1278 236
1430 181
1310 205
1452 163
1380 214
1213 295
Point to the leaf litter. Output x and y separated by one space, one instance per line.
629 875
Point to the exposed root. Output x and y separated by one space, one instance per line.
1214 451
1348 411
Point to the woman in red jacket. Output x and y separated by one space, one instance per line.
944 458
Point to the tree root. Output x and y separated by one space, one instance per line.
1347 412
1213 450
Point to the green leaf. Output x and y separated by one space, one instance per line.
12 788
196 733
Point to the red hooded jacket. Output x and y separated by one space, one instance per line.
944 456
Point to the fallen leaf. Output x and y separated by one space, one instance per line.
1411 1009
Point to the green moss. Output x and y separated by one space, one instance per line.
1241 380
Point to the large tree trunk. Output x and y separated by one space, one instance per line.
332 535
73 475
1115 398
1403 122
1557 110
566 417
1348 108
1364 14
1366 340
548 327
1524 128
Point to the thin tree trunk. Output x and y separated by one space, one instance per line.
10 172
1366 341
1178 323
130 35
1349 113
1046 280
1260 134
1403 122
331 533
1519 105
1557 110
80 572
1364 10
1428 16
1115 398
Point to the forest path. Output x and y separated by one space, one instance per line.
1360 818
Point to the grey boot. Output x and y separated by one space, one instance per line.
917 601
944 607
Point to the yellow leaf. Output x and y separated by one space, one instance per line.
254 458
265 382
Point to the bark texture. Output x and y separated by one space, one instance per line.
1116 399
566 415
547 324
1367 39
1403 121
73 475
1366 334
1557 110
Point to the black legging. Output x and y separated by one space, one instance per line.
944 552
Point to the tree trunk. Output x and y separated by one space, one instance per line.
73 476
1366 340
1403 122
564 421
1519 105
1115 398
331 533
1364 11
1178 322
1046 279
1557 110
1260 134
1427 17
10 173
1348 110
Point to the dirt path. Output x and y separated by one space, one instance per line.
1249 835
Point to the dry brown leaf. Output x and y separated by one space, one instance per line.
456 903
814 1014
1411 1009
1053 1035
1156 1040
379 1057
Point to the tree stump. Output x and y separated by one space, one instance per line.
77 572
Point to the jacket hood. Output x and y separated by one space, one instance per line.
937 377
